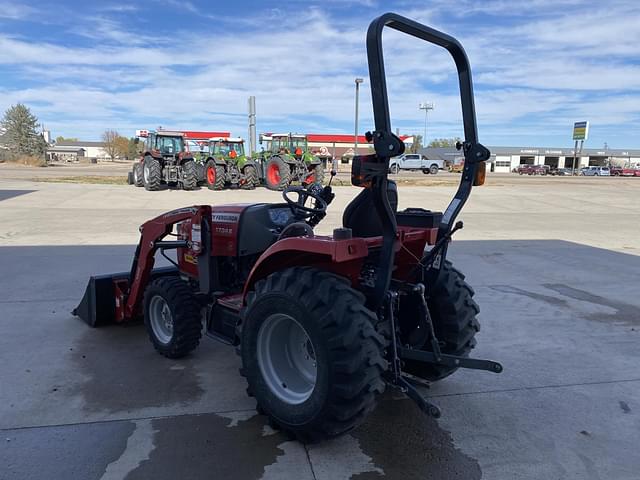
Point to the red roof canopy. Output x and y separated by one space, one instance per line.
204 135
337 138
340 138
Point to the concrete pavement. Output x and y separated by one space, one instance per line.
558 293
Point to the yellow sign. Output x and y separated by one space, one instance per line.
580 130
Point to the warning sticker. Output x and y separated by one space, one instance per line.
195 233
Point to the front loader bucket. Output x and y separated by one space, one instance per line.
98 305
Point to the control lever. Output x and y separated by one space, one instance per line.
333 174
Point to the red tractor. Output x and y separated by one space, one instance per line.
165 160
323 324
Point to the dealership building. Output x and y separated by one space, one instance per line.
340 148
505 159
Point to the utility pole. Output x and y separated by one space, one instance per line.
426 107
358 82
252 125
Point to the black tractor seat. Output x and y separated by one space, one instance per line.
360 215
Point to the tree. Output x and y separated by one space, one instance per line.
444 142
417 144
21 134
122 146
134 148
60 138
110 139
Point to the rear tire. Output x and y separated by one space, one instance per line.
322 379
138 179
453 312
433 169
277 174
172 317
189 175
152 174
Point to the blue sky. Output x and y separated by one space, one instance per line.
539 65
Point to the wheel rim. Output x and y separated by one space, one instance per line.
136 175
273 174
161 319
286 358
211 175
311 177
145 172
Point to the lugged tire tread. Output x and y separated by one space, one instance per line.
187 321
356 349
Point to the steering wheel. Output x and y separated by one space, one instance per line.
298 207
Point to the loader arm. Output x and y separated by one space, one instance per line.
151 239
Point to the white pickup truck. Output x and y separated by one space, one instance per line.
415 161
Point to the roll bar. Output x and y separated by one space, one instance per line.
388 145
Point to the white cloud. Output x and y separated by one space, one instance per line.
13 11
534 75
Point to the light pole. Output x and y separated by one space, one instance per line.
426 107
358 82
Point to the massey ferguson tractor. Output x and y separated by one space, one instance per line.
227 164
165 160
289 161
322 324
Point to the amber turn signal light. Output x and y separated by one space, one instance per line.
481 174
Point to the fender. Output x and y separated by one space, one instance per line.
250 163
184 157
343 257
151 153
314 160
286 158
218 161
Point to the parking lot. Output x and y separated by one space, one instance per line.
554 262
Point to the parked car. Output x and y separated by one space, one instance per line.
560 171
532 169
415 161
594 171
624 172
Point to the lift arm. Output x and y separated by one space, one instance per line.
151 235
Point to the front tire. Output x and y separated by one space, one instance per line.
189 175
172 317
453 312
138 179
395 169
278 174
152 174
310 353
316 175
214 175
250 177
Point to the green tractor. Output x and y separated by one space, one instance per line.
227 164
289 160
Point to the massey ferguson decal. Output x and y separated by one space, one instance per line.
223 217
